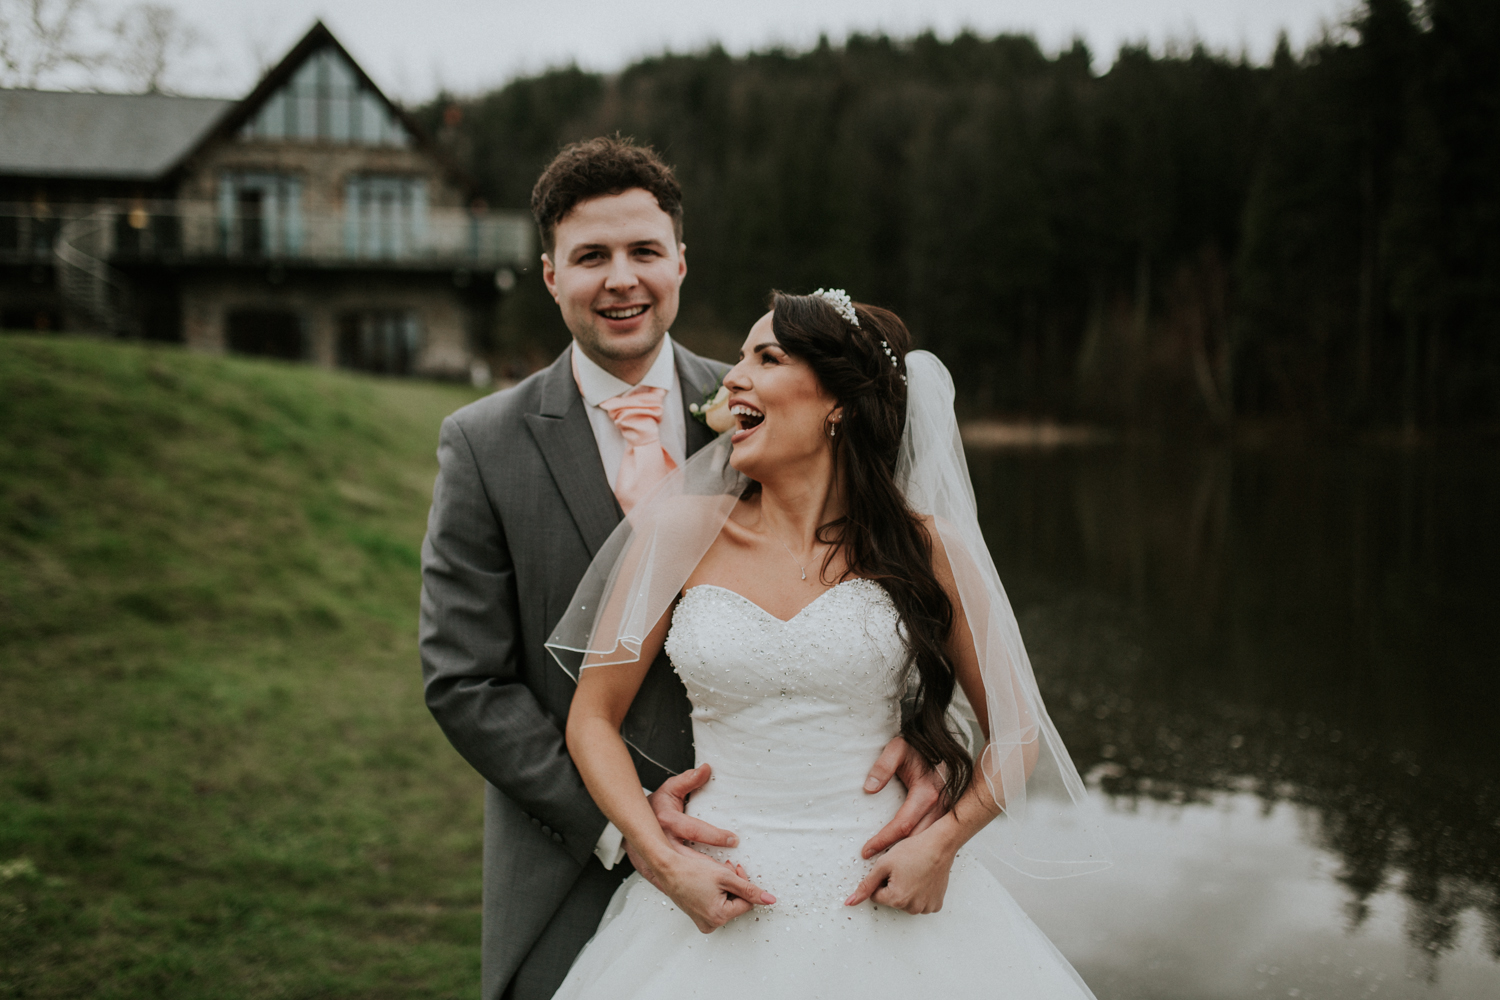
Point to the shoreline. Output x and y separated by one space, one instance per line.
1031 434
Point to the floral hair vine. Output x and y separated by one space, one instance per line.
891 354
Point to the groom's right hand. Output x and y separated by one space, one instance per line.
710 893
669 802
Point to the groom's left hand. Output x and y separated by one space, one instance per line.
924 799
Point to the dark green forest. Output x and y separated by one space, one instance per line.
1187 239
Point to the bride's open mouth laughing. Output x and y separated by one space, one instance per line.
748 418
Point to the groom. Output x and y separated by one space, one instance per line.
532 480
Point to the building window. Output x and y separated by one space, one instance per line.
140 232
260 215
384 341
384 216
325 101
270 333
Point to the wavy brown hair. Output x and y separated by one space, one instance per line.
596 167
879 536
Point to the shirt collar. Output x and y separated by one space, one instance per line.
597 385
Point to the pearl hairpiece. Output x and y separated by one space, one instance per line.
891 354
839 299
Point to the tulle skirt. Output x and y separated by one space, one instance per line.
980 944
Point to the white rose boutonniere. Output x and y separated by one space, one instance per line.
714 410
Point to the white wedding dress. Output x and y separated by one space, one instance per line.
791 715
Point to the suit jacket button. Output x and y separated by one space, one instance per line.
535 821
557 837
546 829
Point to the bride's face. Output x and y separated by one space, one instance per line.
780 408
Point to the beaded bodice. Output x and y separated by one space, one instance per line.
791 715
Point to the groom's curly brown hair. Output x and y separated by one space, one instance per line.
597 167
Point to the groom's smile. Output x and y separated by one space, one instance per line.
615 271
624 312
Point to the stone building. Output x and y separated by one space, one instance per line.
312 219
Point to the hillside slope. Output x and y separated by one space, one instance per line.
217 777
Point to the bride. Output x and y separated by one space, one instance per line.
820 584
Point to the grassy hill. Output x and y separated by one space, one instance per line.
217 776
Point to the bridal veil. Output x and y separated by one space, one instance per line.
1046 830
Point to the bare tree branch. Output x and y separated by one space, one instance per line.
40 37
152 38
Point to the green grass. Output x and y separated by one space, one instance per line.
217 776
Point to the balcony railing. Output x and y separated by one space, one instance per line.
190 232
27 233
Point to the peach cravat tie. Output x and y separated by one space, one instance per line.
638 415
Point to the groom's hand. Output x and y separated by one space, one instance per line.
924 799
669 802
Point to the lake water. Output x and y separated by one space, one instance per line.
1277 669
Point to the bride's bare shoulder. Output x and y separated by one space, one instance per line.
737 529
724 562
942 565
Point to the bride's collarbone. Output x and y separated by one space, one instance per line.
777 606
749 561
777 591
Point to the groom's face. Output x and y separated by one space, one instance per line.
615 271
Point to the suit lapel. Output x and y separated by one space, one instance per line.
562 432
697 377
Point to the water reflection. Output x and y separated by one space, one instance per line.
1227 900
1308 627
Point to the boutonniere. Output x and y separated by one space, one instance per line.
714 410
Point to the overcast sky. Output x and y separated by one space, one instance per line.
412 48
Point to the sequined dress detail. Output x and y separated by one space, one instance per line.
791 714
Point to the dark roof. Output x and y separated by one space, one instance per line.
109 136
47 133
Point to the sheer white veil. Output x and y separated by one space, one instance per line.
1046 831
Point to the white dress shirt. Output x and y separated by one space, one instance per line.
597 385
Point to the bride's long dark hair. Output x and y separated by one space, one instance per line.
879 536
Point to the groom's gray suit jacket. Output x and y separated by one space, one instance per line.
520 506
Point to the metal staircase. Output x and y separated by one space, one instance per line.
92 291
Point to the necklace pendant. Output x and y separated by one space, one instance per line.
804 573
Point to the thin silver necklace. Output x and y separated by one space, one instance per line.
789 552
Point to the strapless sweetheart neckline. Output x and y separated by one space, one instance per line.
801 611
